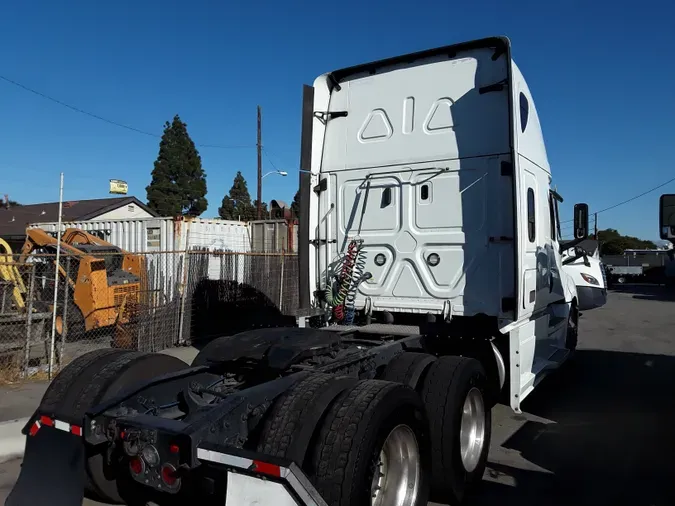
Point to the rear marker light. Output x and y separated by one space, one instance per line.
136 466
169 476
174 449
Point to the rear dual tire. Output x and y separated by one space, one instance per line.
379 438
369 446
90 380
457 396
454 392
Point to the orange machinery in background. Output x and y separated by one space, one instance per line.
105 282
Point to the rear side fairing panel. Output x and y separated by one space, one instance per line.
417 162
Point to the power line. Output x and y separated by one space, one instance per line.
109 121
630 199
269 158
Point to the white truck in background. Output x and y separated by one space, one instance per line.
582 263
431 287
667 233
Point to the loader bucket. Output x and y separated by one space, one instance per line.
52 471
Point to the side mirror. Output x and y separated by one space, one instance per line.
580 221
667 216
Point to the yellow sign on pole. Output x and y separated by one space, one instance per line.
119 187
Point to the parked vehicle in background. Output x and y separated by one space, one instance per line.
626 273
638 266
667 232
420 307
582 263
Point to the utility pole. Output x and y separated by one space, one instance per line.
259 164
596 226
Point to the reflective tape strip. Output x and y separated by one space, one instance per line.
57 424
257 466
265 468
224 458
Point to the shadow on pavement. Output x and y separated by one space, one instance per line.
611 441
647 291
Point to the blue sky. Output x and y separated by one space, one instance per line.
601 73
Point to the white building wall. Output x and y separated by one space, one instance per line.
129 211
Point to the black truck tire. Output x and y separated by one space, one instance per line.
73 378
572 337
92 379
371 417
450 386
408 368
117 375
295 416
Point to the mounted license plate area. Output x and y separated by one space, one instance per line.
243 489
261 480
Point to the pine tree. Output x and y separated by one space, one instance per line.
178 185
263 208
295 205
237 204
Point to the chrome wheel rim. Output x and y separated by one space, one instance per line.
396 478
472 429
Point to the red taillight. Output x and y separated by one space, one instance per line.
136 465
175 449
169 476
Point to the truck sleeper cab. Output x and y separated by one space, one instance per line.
432 190
431 286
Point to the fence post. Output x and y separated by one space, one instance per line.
64 320
29 319
281 282
186 278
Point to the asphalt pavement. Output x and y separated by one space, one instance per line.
599 431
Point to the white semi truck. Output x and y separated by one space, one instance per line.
667 232
582 263
431 287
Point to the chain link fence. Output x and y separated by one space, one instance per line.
139 301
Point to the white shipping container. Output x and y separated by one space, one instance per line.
149 235
145 235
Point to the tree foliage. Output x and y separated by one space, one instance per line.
613 243
237 205
263 209
295 205
178 185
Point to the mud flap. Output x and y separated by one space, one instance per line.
52 471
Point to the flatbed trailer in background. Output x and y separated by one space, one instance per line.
421 307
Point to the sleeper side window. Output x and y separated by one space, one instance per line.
551 210
531 223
